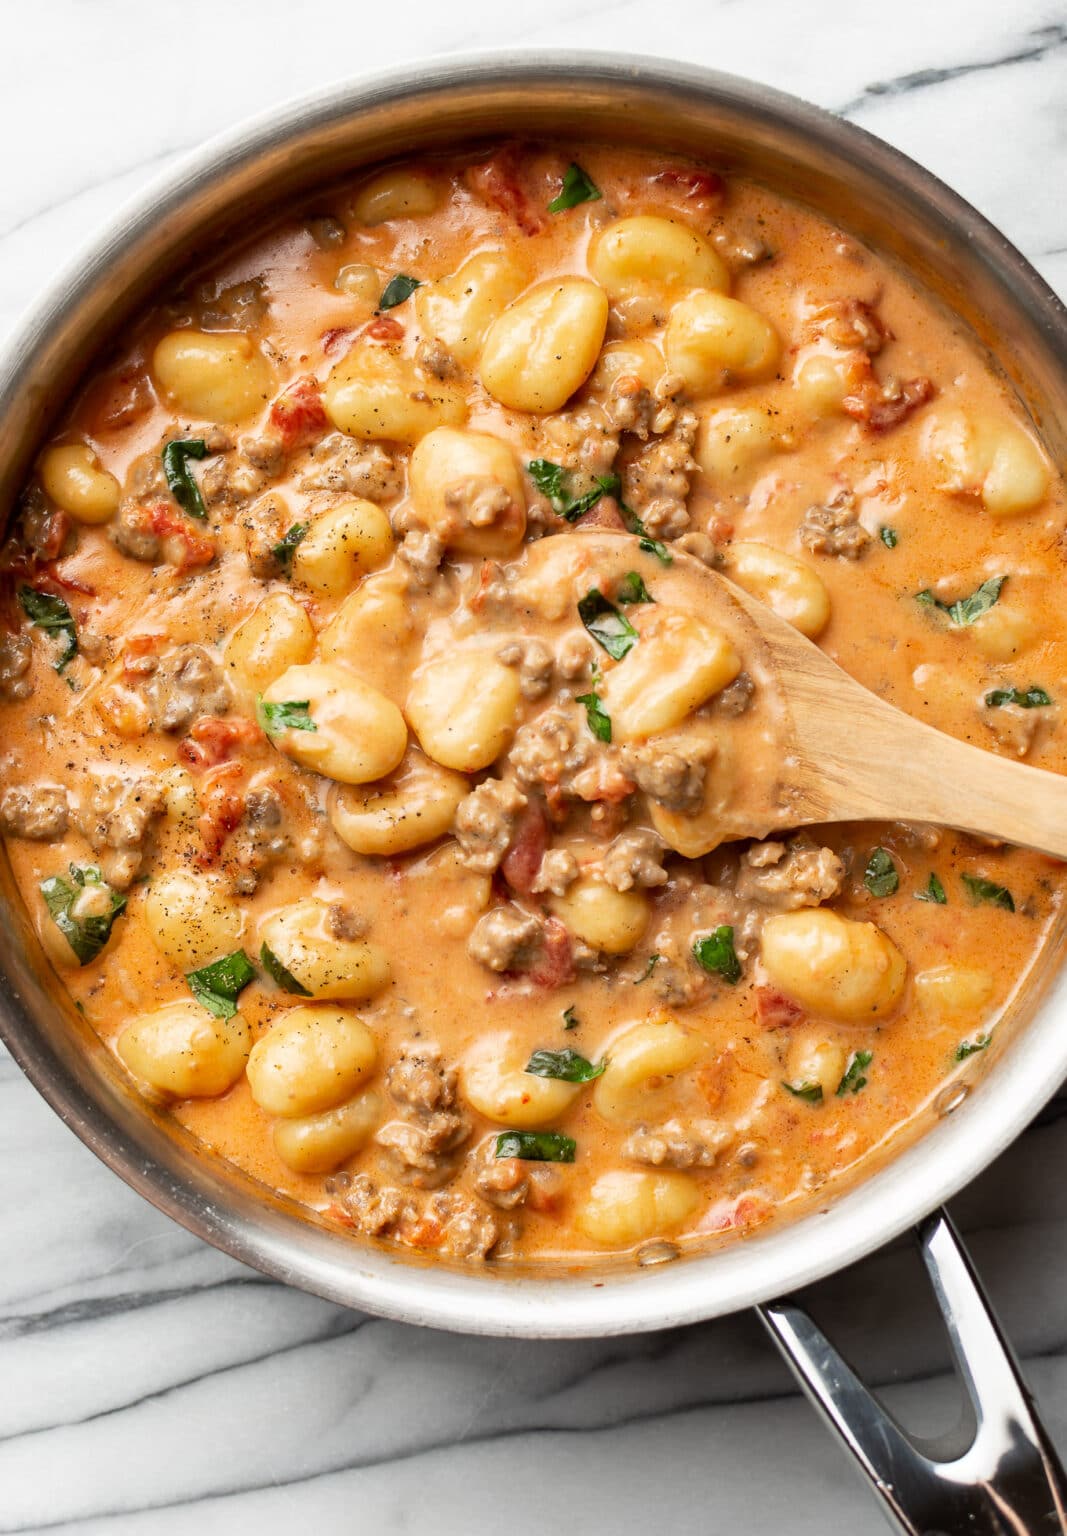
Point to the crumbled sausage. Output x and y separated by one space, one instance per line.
835 529
535 662
851 325
237 307
634 859
116 815
671 778
508 1182
42 528
695 1144
259 841
584 441
185 684
16 654
435 358
422 552
484 822
506 938
133 533
1013 728
787 876
422 1143
656 482
451 1223
558 872
36 811
338 463
633 407
737 696
235 476
549 752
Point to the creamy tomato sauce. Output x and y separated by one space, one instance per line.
375 764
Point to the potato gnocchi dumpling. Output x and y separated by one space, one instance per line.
392 774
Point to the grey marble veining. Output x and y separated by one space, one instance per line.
151 1386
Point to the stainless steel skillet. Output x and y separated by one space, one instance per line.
1009 1479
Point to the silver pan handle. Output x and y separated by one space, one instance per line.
1009 1480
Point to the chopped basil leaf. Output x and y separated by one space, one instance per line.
716 954
967 1048
553 481
888 537
854 1079
276 970
653 961
1032 698
987 890
650 545
608 627
966 609
283 550
633 590
880 877
180 480
577 188
571 1019
810 1092
567 1065
934 891
536 1146
292 715
397 289
218 985
87 931
596 719
50 613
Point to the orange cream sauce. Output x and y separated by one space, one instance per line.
739 1147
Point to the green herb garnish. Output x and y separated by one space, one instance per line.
571 1019
292 715
1032 698
180 482
217 986
653 961
981 890
888 537
397 289
966 609
633 590
934 891
646 542
716 954
86 931
567 1065
811 1093
595 717
880 877
854 1080
608 627
50 613
277 972
972 1047
283 551
577 188
536 1146
553 481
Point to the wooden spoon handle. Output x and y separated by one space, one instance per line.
871 762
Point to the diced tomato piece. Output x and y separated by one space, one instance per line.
383 328
693 185
776 1011
167 523
496 180
298 415
603 514
212 741
526 849
555 962
222 807
332 339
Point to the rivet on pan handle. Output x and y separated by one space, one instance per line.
1008 1482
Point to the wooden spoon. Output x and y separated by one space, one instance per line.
853 757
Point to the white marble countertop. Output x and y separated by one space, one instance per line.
148 1384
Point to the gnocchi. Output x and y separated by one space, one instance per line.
276 635
414 806
72 475
327 719
991 458
463 707
626 1206
833 966
649 253
790 588
184 1052
545 345
192 918
713 341
493 1082
322 1142
340 546
640 1083
313 1059
320 957
467 489
214 375
375 392
680 663
459 310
